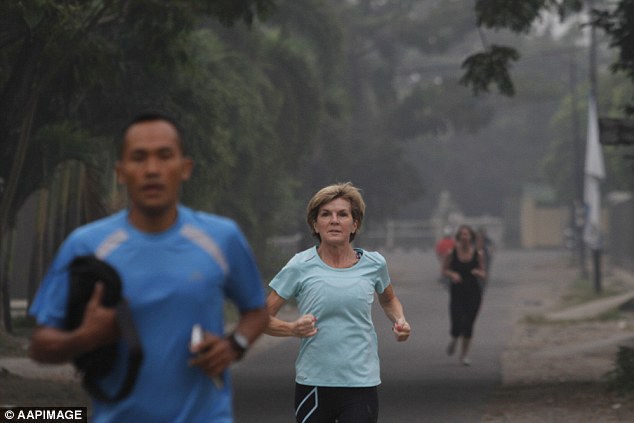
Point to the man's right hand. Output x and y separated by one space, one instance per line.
98 328
99 325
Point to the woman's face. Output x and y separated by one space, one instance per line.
334 222
464 236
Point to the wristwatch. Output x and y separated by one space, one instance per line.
240 343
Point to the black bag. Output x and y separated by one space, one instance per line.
84 272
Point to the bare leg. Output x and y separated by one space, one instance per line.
465 349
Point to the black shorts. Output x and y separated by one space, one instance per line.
318 404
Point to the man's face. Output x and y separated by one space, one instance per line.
152 166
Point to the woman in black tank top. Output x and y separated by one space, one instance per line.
464 267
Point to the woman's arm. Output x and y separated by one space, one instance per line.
303 327
447 272
394 311
480 271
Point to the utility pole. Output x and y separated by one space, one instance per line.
592 70
576 173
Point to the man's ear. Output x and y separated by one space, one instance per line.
188 167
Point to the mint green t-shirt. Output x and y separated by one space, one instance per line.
344 352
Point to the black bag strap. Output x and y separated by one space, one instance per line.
135 357
84 272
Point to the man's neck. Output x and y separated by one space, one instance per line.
152 222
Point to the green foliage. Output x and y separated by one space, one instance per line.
273 110
581 290
229 11
557 163
621 378
314 27
436 29
490 67
619 25
484 68
71 73
517 16
613 314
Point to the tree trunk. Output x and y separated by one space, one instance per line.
6 277
36 271
18 104
9 194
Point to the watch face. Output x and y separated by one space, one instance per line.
241 340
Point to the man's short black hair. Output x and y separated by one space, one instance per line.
150 116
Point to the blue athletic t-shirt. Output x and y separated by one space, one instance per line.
344 352
171 280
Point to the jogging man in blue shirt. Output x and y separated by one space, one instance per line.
177 267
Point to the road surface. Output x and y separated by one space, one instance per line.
420 382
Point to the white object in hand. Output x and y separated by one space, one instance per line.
197 338
197 335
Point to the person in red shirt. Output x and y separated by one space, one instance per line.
444 247
445 244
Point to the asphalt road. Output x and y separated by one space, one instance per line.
420 382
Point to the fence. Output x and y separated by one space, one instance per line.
422 234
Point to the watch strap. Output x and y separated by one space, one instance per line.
239 343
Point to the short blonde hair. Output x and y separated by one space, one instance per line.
325 195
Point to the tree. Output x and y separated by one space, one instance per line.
373 112
39 83
616 19
556 165
491 66
618 23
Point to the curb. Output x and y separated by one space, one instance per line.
590 310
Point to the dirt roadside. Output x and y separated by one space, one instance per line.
563 344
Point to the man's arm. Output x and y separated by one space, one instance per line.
214 354
98 328
252 324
